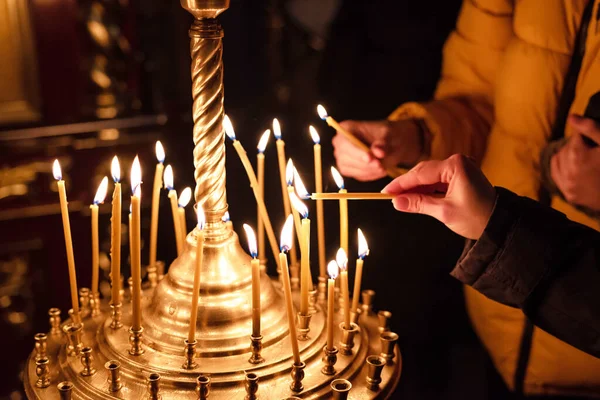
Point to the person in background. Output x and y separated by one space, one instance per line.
512 73
518 252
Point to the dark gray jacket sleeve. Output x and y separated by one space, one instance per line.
534 258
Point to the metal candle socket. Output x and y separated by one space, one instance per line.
368 297
322 290
329 359
84 301
303 326
297 377
340 388
375 365
41 344
312 301
251 386
384 318
54 314
203 387
115 315
190 353
347 342
113 367
73 333
256 348
42 372
355 315
388 342
95 304
65 390
135 340
154 387
86 360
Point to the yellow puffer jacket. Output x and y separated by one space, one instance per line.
503 72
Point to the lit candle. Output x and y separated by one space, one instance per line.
136 256
255 264
286 243
98 199
352 196
168 179
282 177
319 189
363 251
342 261
339 181
391 171
289 178
64 211
253 184
184 199
199 256
303 194
332 270
115 228
260 170
158 182
305 284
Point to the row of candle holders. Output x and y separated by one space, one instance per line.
90 306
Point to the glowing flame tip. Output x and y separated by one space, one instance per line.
322 112
228 128
341 259
101 192
299 205
314 134
168 177
251 240
200 215
56 171
136 175
115 169
160 152
185 197
363 246
285 243
264 139
276 129
332 269
300 188
289 172
226 217
337 177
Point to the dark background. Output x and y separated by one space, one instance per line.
361 59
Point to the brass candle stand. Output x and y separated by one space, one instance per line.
222 363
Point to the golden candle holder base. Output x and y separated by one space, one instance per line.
203 387
54 319
329 359
115 315
95 304
375 365
256 348
388 343
304 326
322 290
297 377
355 316
341 389
84 302
113 368
42 371
41 345
65 390
154 387
135 341
86 360
251 386
347 341
73 333
189 353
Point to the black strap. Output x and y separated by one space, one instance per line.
558 131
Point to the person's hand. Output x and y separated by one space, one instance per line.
575 168
453 191
390 142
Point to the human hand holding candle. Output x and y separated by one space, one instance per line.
184 199
319 189
98 199
260 171
197 269
342 261
286 243
305 284
255 265
115 240
64 211
363 251
135 229
332 271
339 181
168 179
158 181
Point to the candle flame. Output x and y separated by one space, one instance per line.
101 192
115 169
228 128
264 139
138 191
56 171
337 177
136 175
285 244
185 197
289 172
276 129
251 240
322 112
226 217
168 177
300 188
332 269
201 216
341 259
363 247
314 134
299 205
160 152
